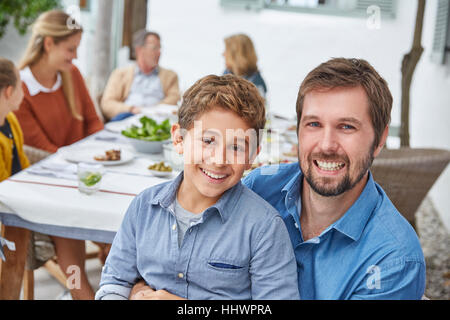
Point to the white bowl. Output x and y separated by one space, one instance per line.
161 174
146 146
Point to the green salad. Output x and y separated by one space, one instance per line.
91 179
150 130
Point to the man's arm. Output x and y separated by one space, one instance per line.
402 279
113 98
171 88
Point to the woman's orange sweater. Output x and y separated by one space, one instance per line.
47 122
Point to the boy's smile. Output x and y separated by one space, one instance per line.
215 160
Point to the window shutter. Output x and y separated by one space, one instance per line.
244 4
387 7
441 35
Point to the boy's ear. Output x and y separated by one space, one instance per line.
177 138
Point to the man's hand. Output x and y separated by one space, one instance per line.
150 294
139 286
141 291
135 110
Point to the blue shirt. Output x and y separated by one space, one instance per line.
256 79
240 249
146 89
371 252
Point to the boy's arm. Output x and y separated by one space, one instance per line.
273 267
120 272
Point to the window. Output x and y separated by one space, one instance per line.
355 8
441 39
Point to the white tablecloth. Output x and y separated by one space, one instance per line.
56 201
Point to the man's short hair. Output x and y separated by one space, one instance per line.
140 36
342 72
229 92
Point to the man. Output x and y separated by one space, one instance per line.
133 88
349 240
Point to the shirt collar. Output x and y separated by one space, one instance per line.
225 206
293 185
353 222
34 87
138 71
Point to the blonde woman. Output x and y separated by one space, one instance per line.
57 110
241 60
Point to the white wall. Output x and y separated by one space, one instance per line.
289 45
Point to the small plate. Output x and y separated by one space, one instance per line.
161 174
87 153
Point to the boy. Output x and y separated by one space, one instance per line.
204 235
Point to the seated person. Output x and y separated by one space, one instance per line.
57 111
12 157
132 88
204 235
240 60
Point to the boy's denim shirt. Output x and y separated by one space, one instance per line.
240 249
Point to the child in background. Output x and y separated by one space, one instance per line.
12 157
204 235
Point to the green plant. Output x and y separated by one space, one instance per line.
22 12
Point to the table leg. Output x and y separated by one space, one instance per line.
12 270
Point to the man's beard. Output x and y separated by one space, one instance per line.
319 185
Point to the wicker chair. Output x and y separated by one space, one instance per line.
34 154
407 174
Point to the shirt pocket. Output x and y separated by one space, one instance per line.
224 278
226 266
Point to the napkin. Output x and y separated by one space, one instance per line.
55 169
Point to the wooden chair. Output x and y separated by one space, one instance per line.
407 174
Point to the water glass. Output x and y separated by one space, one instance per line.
89 177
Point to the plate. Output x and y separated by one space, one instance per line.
161 174
87 154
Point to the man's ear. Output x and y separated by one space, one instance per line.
177 138
382 142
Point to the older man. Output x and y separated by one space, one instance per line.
142 85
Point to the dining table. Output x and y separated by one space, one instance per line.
45 197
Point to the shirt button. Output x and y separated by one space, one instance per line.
180 275
174 227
